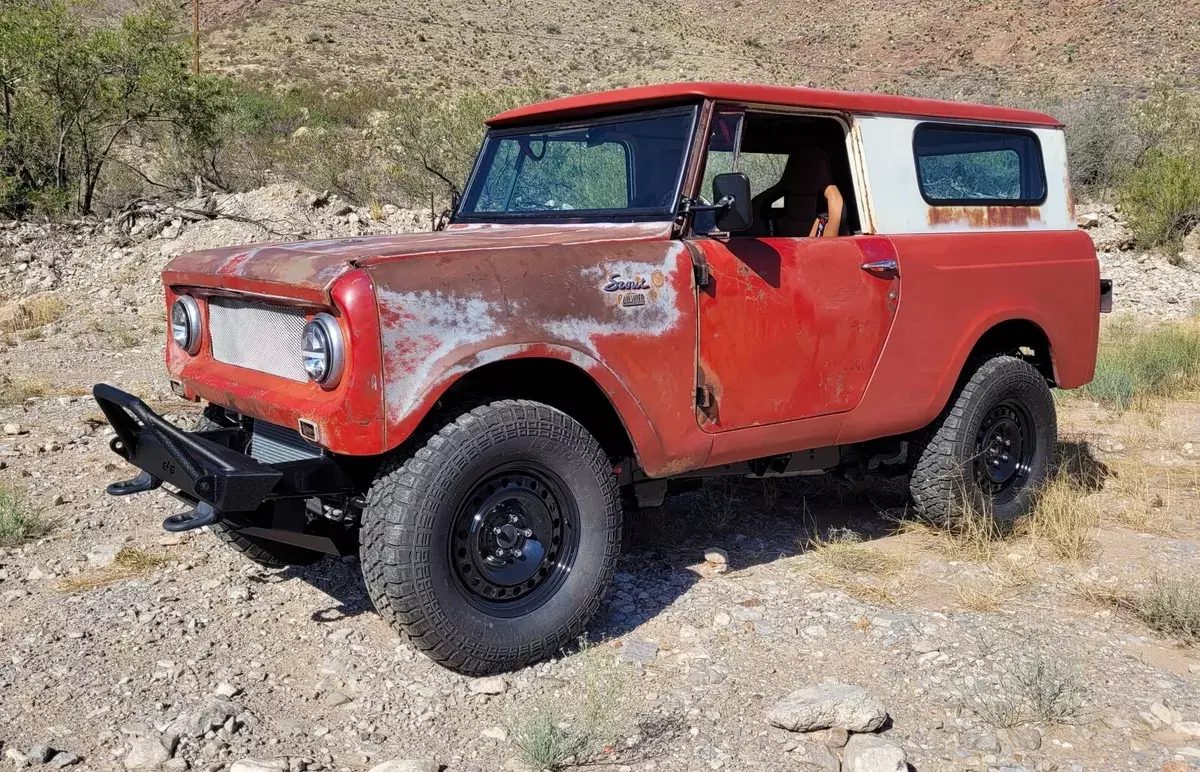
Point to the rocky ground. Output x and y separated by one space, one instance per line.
122 647
1144 283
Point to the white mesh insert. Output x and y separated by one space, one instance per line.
257 336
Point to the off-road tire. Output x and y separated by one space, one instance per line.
412 519
942 483
266 553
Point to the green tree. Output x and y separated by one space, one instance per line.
78 93
436 137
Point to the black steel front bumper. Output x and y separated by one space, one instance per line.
210 471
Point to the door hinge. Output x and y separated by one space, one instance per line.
703 275
704 397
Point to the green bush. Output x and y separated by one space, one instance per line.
19 523
1161 197
1111 385
1160 361
1161 194
78 93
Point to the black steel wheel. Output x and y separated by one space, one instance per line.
1005 446
491 544
991 449
515 540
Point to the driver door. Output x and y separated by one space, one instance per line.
790 327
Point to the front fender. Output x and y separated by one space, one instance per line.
638 427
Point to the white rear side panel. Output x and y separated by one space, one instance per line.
898 207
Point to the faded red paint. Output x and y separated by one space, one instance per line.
791 328
349 418
800 347
776 96
984 216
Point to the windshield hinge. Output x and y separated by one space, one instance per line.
703 274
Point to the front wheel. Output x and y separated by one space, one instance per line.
491 545
991 449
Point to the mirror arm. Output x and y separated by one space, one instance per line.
690 205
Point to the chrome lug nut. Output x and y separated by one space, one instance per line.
528 532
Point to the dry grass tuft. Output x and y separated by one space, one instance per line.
576 726
130 563
1036 687
982 599
843 550
972 536
718 505
14 391
35 312
1063 520
19 522
842 561
1167 606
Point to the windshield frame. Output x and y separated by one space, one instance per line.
491 140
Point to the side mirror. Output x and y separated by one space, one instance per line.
731 191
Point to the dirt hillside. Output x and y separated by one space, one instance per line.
980 47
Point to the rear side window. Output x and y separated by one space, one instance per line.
969 166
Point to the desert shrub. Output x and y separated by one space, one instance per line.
574 726
1036 687
19 522
79 93
435 137
1168 606
1102 139
1136 363
1161 195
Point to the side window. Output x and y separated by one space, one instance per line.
763 169
977 166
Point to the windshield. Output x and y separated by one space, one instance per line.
614 168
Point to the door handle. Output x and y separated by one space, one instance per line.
881 267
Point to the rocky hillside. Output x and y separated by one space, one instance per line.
982 47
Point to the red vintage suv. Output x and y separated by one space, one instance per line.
636 288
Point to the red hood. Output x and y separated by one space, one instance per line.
308 269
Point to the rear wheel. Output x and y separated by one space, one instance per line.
269 554
492 544
991 449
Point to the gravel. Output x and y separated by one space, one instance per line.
204 661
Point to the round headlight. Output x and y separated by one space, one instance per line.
185 324
321 347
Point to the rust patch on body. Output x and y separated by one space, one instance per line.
984 216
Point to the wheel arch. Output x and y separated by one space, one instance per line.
1020 337
562 378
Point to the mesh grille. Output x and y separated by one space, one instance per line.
257 336
273 444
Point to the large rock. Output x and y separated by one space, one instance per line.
146 753
829 706
870 753
254 765
103 555
408 765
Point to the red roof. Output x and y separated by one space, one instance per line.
750 93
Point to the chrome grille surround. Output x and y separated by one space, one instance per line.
258 336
